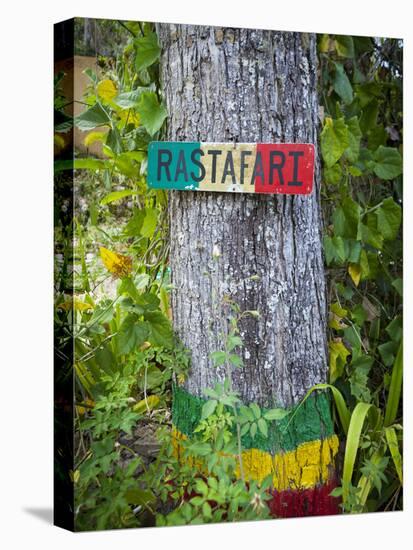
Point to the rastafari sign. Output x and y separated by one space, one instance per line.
286 168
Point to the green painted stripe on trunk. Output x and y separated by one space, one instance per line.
311 421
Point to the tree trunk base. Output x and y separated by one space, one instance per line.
298 453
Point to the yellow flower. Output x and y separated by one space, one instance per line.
118 265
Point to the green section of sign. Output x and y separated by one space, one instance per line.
173 165
307 422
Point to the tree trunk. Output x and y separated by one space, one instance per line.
249 86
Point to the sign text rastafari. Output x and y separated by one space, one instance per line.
286 168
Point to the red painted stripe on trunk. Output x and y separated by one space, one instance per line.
308 502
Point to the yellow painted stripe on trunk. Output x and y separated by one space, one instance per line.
310 464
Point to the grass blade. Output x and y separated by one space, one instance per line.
394 451
352 443
395 388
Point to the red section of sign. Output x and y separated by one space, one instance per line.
286 168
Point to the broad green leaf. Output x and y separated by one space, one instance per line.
92 118
370 235
199 448
368 117
334 140
377 136
339 221
148 51
89 164
114 140
235 360
352 211
160 329
208 408
132 334
246 413
276 414
352 336
149 222
152 113
352 152
395 329
138 496
329 250
394 451
388 352
359 314
218 357
134 225
253 430
393 399
344 45
206 510
117 195
352 444
389 216
128 100
201 486
341 84
150 378
359 377
91 74
233 342
388 163
354 250
333 174
127 286
339 249
127 165
363 44
256 410
262 425
369 91
106 360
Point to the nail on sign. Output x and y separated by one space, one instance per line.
282 168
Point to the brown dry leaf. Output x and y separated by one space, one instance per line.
371 310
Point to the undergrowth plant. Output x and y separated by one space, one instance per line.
361 147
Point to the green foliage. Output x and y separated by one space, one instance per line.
361 147
147 51
152 112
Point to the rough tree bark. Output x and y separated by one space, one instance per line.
241 85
